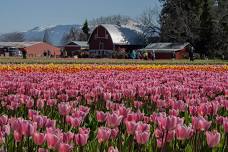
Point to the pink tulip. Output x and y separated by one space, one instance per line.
38 138
213 138
28 128
225 124
101 116
183 132
114 133
50 123
131 127
167 123
32 113
84 131
68 137
75 122
142 133
142 137
40 103
138 104
39 120
52 140
81 139
200 124
42 150
3 120
64 147
17 136
113 120
103 134
64 108
112 149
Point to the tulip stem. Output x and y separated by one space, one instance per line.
28 144
225 143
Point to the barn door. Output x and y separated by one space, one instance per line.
101 46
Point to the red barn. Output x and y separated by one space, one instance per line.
76 47
108 37
169 50
33 49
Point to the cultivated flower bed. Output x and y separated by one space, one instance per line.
113 108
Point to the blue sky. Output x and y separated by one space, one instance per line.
19 15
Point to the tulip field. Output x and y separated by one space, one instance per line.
113 108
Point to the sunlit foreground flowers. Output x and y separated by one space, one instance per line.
113 108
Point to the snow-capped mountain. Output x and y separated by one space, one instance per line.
55 33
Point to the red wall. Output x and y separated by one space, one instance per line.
179 55
37 50
95 41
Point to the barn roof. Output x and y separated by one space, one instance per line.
124 35
18 44
82 44
166 47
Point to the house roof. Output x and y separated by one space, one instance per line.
124 35
18 44
82 44
166 47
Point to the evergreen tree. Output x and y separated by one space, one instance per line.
174 22
86 29
206 29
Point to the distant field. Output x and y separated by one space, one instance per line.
13 60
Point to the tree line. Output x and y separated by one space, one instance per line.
203 23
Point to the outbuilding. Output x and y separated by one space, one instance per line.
107 38
169 50
76 47
32 49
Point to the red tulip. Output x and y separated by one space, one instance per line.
39 138
103 134
213 138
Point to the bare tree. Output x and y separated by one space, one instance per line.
149 23
74 35
12 37
114 19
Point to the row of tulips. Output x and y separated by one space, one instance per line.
85 67
114 110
